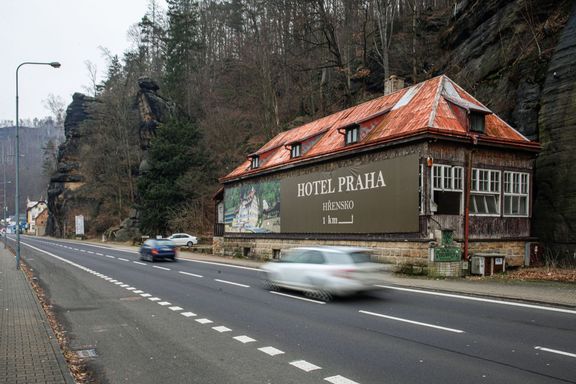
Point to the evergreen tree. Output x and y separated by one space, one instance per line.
178 172
182 47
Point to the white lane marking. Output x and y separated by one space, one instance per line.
81 250
339 380
271 351
221 264
305 366
297 297
137 262
244 339
111 257
165 269
412 322
119 283
221 329
556 351
190 274
90 252
125 285
138 291
130 288
154 299
123 259
99 254
164 303
188 314
113 281
145 295
493 301
204 321
175 308
232 283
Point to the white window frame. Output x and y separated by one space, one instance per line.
517 187
447 178
486 184
352 135
255 162
295 150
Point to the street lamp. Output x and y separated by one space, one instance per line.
53 64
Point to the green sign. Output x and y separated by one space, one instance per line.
447 254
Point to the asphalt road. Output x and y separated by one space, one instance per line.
199 322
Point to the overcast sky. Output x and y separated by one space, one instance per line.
68 31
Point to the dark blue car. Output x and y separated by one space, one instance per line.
156 249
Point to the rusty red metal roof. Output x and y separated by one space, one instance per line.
437 106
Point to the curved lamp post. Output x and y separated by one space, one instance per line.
53 64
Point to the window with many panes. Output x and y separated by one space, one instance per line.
516 187
295 150
447 189
485 192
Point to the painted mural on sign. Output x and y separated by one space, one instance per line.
253 208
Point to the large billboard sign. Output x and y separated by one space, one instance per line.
380 197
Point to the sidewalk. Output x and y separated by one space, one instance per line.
29 352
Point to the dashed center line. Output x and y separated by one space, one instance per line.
204 321
154 299
412 322
190 274
163 268
556 351
297 297
175 308
188 314
232 283
164 303
137 262
221 329
305 366
110 257
123 259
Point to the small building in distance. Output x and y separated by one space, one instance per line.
33 209
424 174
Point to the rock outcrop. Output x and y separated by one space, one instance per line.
555 204
62 206
64 198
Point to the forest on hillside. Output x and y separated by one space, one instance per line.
241 71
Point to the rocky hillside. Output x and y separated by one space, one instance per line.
515 56
67 191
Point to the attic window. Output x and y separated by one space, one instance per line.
255 163
352 134
476 122
296 150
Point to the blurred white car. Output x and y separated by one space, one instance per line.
183 239
321 272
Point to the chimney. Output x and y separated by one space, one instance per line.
393 84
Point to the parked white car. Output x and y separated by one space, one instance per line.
321 272
183 240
